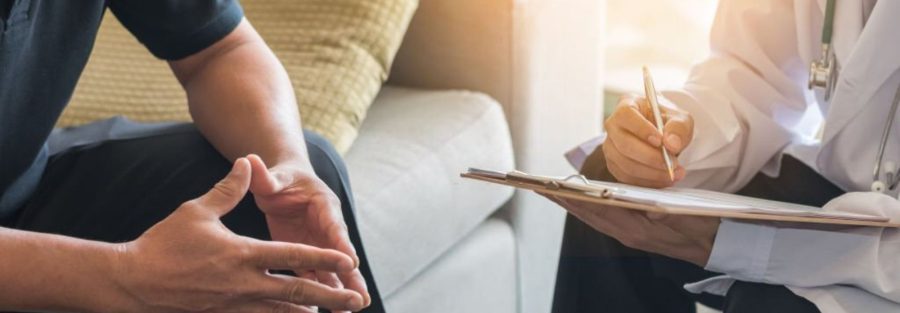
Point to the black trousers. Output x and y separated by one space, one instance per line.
598 274
115 190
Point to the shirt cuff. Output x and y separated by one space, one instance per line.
742 250
717 285
578 155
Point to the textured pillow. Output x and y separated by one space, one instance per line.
337 53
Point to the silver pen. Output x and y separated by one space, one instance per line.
650 94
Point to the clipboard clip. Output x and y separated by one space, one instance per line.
576 183
605 191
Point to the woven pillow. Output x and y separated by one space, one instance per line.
337 53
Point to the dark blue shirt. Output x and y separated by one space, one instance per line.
44 45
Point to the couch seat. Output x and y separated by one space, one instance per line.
412 206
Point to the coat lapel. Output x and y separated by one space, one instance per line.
875 57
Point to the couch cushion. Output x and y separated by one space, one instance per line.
336 52
412 206
476 275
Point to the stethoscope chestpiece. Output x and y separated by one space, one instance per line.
822 72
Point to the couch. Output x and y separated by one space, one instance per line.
499 84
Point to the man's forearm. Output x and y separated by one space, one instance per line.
242 100
42 272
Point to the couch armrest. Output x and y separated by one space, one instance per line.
542 60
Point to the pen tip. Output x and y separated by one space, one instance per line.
671 174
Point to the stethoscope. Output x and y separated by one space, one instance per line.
823 73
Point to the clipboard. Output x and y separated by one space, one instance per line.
677 201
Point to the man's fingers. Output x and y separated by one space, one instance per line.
226 194
262 181
274 255
300 291
354 281
335 228
331 280
679 131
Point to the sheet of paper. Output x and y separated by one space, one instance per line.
704 199
685 198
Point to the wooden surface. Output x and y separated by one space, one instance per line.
678 211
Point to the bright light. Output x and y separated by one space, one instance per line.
667 35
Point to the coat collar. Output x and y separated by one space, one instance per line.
871 61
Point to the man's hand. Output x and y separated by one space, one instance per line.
300 208
190 262
241 99
688 238
632 148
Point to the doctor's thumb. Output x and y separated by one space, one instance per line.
678 134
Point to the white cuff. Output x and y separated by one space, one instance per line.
578 155
742 250
718 285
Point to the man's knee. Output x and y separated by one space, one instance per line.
328 164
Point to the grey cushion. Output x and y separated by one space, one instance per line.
412 206
477 275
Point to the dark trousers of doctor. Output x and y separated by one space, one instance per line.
599 274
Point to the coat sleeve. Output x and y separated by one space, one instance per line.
816 256
747 96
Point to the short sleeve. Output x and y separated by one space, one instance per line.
174 29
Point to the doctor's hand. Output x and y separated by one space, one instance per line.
688 238
632 148
300 208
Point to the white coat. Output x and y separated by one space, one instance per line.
748 99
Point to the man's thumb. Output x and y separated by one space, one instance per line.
261 180
226 194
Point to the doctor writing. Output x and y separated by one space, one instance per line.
735 127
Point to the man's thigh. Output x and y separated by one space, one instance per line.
115 190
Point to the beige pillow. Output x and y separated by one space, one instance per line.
337 53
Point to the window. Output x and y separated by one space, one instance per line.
666 35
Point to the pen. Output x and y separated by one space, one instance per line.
650 93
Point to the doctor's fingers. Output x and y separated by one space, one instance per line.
690 226
604 218
678 132
640 170
624 175
589 213
636 102
622 224
629 119
630 147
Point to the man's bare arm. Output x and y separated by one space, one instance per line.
242 100
54 273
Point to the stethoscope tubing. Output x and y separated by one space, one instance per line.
829 66
885 135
